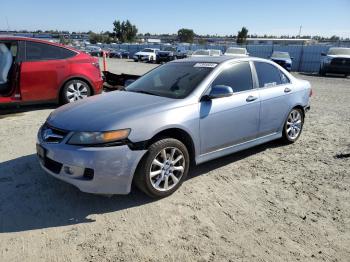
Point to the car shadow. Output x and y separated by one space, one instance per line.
30 199
318 75
12 110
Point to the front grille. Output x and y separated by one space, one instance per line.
341 61
52 135
280 62
52 165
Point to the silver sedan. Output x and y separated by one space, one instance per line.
183 113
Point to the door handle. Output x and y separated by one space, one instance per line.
287 90
251 98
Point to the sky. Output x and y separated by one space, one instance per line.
215 17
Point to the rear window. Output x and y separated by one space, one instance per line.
39 51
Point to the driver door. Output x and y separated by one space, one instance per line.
229 121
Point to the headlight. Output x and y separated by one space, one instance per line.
97 138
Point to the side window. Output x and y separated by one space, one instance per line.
39 51
238 76
284 78
268 74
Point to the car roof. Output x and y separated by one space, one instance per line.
218 59
23 38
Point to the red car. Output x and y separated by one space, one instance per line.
33 70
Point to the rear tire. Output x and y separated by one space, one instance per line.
163 169
75 90
293 126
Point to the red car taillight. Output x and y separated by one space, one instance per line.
96 64
311 92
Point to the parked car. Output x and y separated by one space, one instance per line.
119 53
283 59
147 54
237 51
93 50
337 61
206 52
33 71
170 53
182 113
166 55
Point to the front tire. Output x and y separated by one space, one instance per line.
293 126
322 72
75 90
163 169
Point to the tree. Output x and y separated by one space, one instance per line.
185 35
242 35
124 31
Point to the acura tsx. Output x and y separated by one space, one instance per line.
183 113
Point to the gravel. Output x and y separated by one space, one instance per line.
270 203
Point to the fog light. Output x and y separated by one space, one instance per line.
88 173
68 170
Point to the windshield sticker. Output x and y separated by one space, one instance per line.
210 65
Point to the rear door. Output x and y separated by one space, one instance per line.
230 120
275 89
43 70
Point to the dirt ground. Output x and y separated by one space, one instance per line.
270 203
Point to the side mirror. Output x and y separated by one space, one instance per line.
248 54
219 91
323 54
128 82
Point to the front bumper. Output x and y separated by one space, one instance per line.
113 167
142 58
165 58
336 69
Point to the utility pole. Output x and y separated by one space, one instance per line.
300 30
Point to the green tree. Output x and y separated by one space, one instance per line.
125 31
242 35
185 35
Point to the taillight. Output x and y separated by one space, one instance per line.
311 92
96 64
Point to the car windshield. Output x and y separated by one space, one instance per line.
147 50
201 52
339 51
280 55
173 80
239 51
172 49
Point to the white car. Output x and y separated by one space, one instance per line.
206 52
147 54
237 51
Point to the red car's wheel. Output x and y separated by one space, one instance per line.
75 90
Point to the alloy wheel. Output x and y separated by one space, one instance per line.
167 168
294 124
76 91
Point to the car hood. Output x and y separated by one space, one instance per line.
143 53
287 60
104 112
165 52
338 56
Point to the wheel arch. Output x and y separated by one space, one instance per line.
179 134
